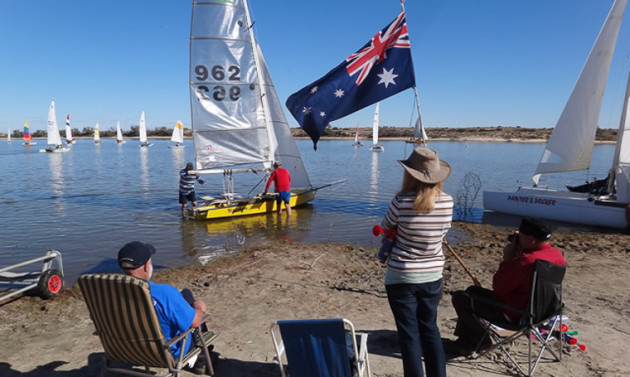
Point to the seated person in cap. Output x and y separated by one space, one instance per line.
511 285
177 311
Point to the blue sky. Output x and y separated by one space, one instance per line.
477 63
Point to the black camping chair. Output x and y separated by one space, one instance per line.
540 322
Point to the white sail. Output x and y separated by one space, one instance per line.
178 132
621 161
68 129
571 144
237 118
97 135
375 125
53 130
418 131
356 134
143 129
9 135
119 136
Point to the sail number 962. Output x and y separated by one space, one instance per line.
220 73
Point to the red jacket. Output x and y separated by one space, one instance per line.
512 283
281 180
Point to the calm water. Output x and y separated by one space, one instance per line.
90 201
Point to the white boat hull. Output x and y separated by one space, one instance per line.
377 148
566 206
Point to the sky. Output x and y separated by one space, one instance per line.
477 63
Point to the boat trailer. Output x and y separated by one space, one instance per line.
48 282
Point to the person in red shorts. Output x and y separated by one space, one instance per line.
282 183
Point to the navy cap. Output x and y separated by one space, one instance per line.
135 254
535 227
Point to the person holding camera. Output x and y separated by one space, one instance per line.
511 285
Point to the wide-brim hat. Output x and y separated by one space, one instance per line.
424 165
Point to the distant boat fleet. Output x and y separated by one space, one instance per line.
55 144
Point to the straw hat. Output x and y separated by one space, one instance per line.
424 165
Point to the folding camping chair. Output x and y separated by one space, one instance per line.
320 348
540 322
122 311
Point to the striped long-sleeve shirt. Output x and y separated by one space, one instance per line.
187 182
418 246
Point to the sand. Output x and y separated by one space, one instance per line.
246 293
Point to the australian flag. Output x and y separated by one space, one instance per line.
381 68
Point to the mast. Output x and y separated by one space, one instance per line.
375 125
622 148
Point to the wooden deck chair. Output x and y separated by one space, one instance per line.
122 311
320 348
540 322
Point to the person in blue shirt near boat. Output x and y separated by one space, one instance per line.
187 178
177 311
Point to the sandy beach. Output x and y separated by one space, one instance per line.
246 293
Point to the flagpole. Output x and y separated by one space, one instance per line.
415 89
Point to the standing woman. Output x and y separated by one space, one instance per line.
421 214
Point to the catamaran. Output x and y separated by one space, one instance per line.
119 136
53 137
142 130
237 118
178 135
69 138
571 145
97 135
28 137
376 147
356 142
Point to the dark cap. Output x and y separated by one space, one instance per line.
537 228
135 254
276 164
189 166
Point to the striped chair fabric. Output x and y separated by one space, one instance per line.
127 324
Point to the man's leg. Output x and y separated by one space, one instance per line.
288 205
467 328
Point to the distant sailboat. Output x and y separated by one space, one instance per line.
69 138
376 147
52 130
419 135
97 135
144 142
9 136
178 135
119 136
357 143
28 137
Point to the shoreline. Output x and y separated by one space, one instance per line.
246 292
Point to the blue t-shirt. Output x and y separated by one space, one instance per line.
175 314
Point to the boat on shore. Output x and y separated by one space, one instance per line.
245 130
570 148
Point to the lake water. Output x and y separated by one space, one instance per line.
90 201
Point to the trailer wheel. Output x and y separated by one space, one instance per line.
50 283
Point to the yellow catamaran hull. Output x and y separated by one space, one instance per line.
222 208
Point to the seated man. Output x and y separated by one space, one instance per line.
511 285
177 311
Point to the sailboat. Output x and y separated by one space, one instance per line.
246 126
119 136
376 147
144 142
69 138
178 135
97 135
356 142
9 136
571 145
28 137
419 134
52 130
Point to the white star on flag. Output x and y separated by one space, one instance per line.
314 89
339 93
306 110
322 114
387 77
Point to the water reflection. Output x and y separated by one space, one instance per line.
56 181
374 174
144 171
179 157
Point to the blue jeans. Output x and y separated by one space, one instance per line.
415 310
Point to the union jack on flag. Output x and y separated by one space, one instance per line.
362 61
380 69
